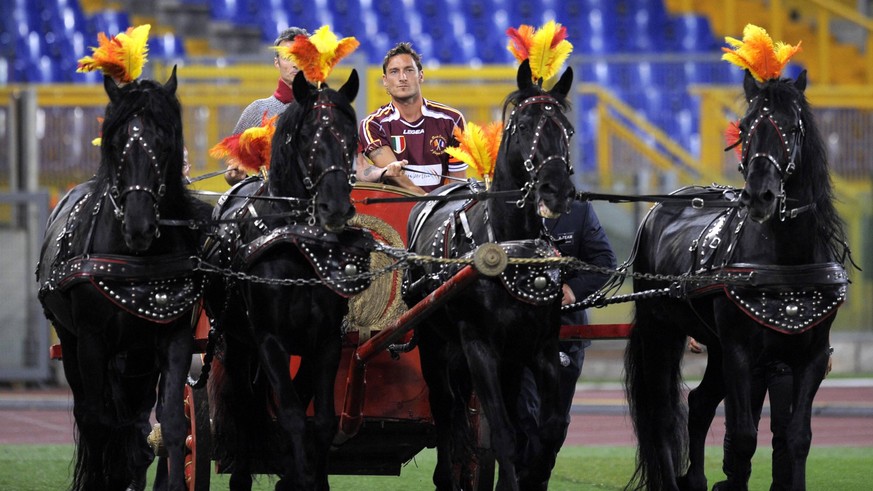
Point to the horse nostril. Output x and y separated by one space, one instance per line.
745 199
768 196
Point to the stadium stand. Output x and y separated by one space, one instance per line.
42 39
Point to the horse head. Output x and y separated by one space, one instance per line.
536 144
771 133
313 148
142 155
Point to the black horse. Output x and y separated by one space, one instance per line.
757 281
119 288
299 264
485 337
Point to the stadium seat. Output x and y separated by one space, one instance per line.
238 12
691 34
110 22
347 18
166 46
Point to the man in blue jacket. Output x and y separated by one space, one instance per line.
577 234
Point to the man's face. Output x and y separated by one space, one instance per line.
287 69
402 78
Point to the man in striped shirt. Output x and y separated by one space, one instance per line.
410 131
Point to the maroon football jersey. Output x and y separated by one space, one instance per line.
422 143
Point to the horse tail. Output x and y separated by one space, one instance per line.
653 383
109 457
242 406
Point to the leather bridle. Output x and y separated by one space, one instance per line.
551 112
117 196
790 143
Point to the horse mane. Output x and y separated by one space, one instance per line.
284 173
813 170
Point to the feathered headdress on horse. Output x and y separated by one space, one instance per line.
547 48
317 54
762 57
758 53
251 148
478 147
120 57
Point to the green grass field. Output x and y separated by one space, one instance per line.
47 467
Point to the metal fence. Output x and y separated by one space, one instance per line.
24 331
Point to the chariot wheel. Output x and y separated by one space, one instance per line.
198 443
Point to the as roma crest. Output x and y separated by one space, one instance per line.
437 145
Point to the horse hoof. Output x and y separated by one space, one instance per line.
136 485
726 486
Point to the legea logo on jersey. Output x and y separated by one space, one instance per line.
398 144
437 145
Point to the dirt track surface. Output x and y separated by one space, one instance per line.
843 416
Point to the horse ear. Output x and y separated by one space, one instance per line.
524 75
112 89
564 85
800 82
750 86
172 83
300 87
350 88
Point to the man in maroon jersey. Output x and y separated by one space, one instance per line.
410 131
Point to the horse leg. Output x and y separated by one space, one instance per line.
735 332
434 370
553 420
291 413
178 347
483 367
88 448
807 379
780 386
325 411
702 403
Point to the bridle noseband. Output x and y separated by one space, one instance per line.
785 166
135 131
549 114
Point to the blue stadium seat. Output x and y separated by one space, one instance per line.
238 12
4 71
730 74
166 46
599 37
109 21
347 18
691 34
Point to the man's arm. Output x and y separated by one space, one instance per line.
365 171
592 247
382 157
